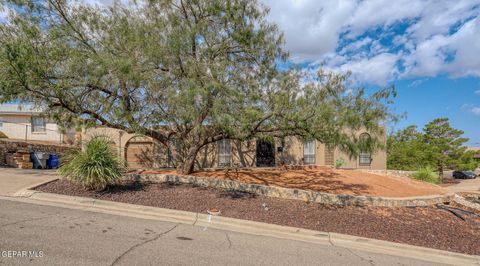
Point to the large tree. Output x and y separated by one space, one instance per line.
445 142
406 150
438 146
186 73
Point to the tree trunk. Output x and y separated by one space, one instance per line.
440 171
188 163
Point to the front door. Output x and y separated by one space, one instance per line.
265 153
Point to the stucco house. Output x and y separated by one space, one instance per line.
143 152
25 122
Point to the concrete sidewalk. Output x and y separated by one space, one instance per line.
13 180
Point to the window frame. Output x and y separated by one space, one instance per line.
224 147
36 126
365 156
311 156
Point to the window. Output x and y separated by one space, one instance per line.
365 157
309 152
38 124
224 152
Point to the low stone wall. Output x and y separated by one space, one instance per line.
401 173
17 146
295 194
397 173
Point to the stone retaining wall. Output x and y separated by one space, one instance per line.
401 173
397 173
17 146
295 194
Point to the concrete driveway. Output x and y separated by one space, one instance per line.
13 180
466 185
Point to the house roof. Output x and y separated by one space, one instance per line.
14 108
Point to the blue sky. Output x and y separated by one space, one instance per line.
428 49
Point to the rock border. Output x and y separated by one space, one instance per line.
463 203
296 194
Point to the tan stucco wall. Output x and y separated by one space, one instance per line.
244 154
119 137
16 125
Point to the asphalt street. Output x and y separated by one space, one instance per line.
56 236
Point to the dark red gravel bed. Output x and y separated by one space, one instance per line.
421 226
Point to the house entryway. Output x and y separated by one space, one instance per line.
265 153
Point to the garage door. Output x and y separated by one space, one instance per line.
139 154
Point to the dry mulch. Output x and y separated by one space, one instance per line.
421 226
323 179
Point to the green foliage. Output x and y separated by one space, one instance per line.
445 143
427 175
339 163
439 146
466 161
406 150
185 73
94 167
3 136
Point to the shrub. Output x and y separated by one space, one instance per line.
339 163
3 136
426 174
94 167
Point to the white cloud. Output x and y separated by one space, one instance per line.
439 37
377 69
431 56
475 111
477 92
311 27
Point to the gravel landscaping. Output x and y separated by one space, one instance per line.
422 226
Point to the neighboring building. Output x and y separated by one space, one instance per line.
25 122
143 152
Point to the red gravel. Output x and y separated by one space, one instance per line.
421 226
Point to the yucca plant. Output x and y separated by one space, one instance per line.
427 174
94 167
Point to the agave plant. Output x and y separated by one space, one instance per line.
95 166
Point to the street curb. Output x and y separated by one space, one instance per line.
245 226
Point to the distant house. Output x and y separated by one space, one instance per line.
25 122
